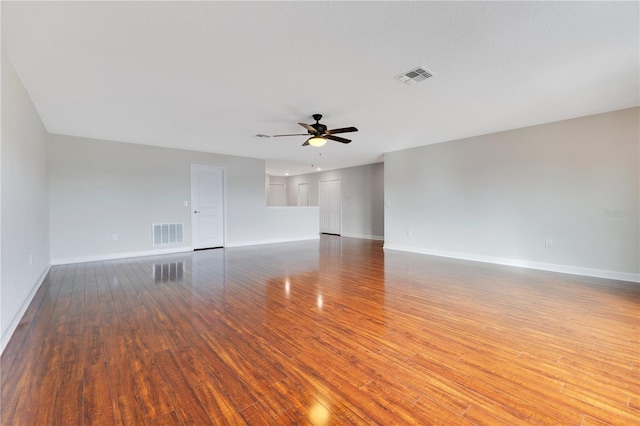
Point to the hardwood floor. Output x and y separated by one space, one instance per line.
328 332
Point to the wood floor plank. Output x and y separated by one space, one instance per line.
97 396
15 388
334 331
68 409
45 376
128 409
169 419
188 408
225 377
243 367
151 389
217 404
255 414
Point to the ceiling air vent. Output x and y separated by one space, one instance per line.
414 76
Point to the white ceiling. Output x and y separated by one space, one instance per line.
209 76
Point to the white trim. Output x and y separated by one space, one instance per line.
124 255
273 241
364 237
13 324
552 267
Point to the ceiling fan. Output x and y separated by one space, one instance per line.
319 133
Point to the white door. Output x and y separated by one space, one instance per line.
276 194
330 207
207 206
303 194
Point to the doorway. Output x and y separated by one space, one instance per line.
330 207
276 195
303 194
207 207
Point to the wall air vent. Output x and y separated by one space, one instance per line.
168 233
414 76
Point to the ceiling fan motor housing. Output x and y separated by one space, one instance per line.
320 128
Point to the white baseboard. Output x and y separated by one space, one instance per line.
273 241
124 255
364 237
13 324
552 267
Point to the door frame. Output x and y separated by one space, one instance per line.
284 194
224 200
308 194
339 202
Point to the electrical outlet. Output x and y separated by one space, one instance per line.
186 204
548 243
115 237
409 232
30 259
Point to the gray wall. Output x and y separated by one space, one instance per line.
501 196
100 188
362 197
24 211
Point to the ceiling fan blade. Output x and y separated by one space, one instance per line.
337 138
294 134
306 143
308 127
342 130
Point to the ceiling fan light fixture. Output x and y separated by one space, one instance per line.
317 141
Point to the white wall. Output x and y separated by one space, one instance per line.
280 224
362 197
25 202
100 188
499 197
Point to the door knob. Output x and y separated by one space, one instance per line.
196 211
